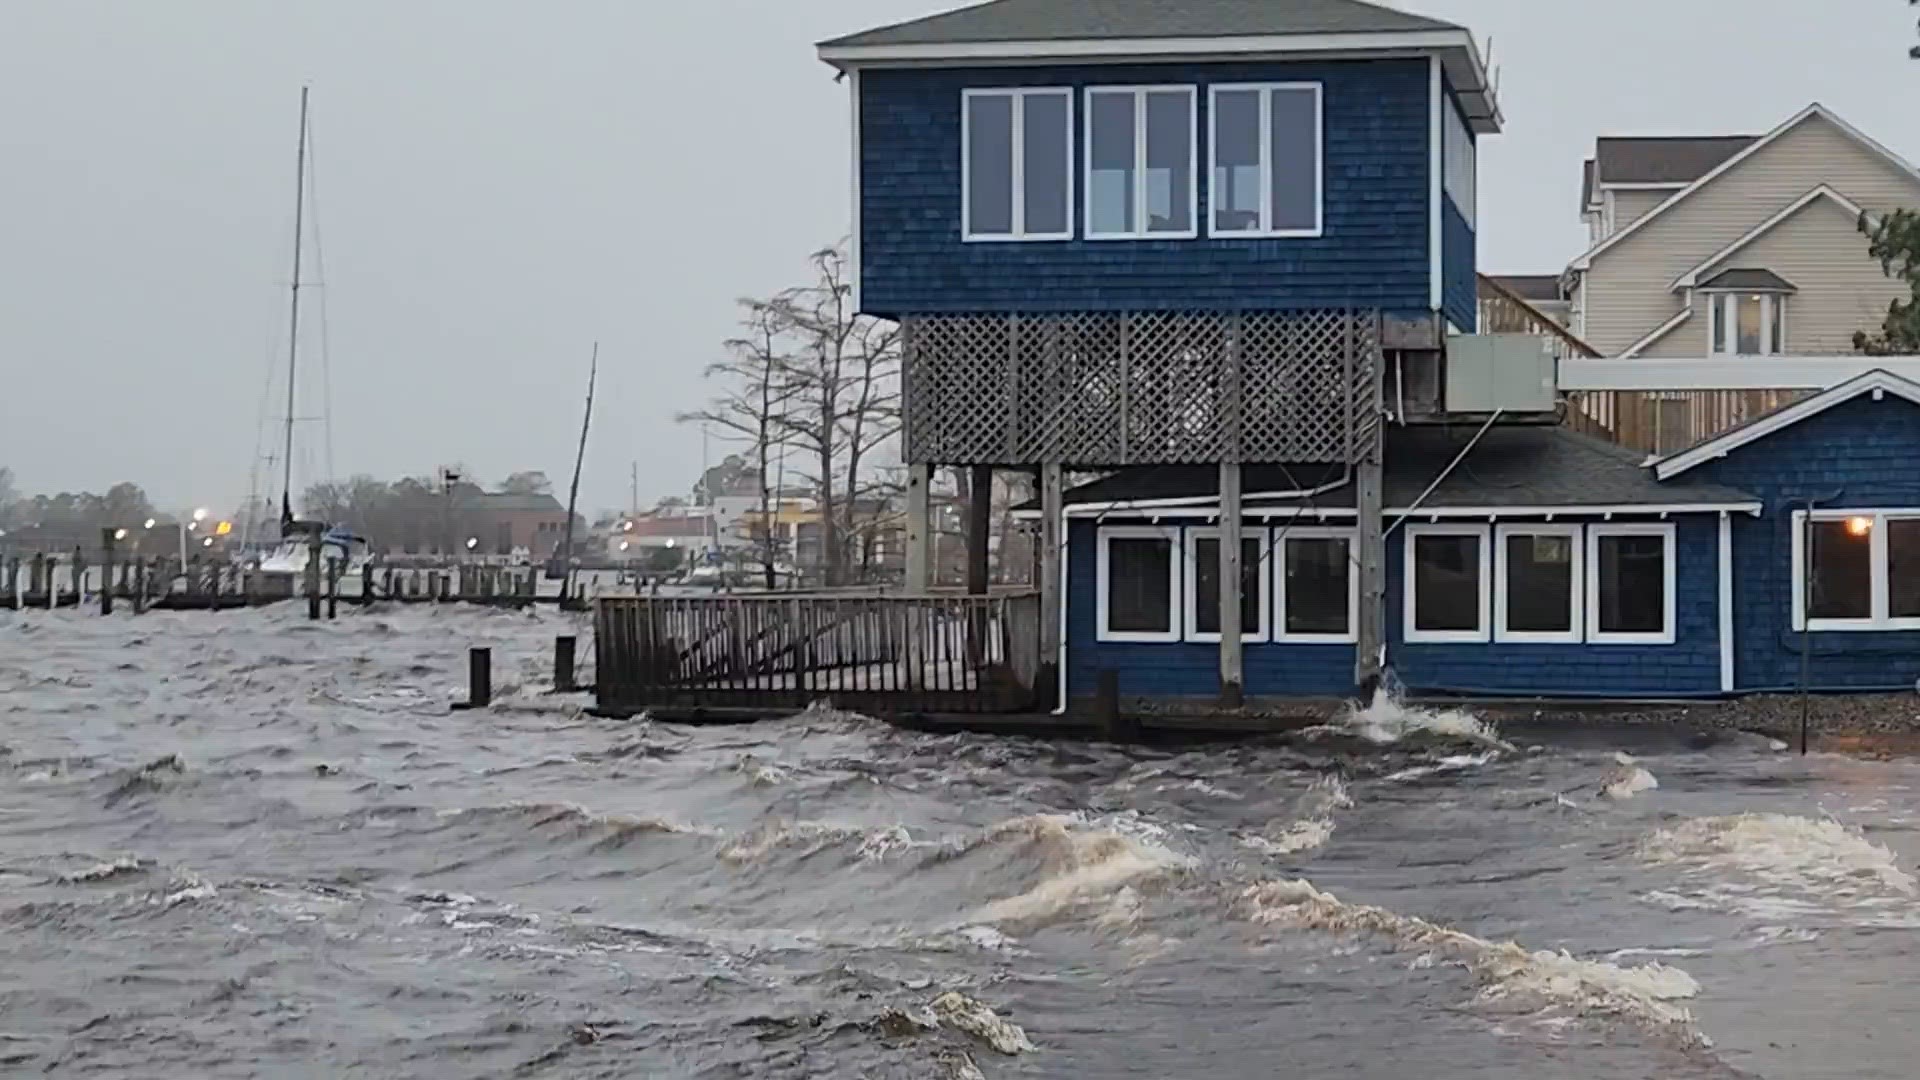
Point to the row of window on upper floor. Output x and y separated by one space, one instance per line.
1142 158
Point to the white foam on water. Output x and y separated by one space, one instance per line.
1452 763
1083 862
962 1013
874 843
959 1065
1821 857
125 864
1387 720
1510 975
1312 830
1627 779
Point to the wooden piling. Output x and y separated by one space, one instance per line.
563 649
106 571
1232 582
479 679
313 574
333 588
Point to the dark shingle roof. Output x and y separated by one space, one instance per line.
1514 465
1757 280
1640 159
1533 288
1058 20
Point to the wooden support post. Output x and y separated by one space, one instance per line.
106 571
313 575
213 586
53 582
1115 724
36 575
139 585
79 576
479 679
979 529
1053 545
919 528
1232 581
1372 556
333 588
563 648
366 583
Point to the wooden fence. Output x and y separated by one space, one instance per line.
1664 421
872 653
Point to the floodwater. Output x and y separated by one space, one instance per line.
245 845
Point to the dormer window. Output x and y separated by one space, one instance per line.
1266 175
1747 312
1016 169
1141 157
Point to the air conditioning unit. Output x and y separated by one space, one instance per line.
1512 373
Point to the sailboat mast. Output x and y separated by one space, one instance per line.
293 319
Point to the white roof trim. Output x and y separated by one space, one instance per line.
1465 65
1876 381
1660 331
1418 513
1642 185
1728 372
1815 109
1692 277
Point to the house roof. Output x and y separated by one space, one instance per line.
1877 382
1511 467
1814 110
1691 278
1749 280
1533 288
1064 20
1663 159
503 501
1092 30
1586 185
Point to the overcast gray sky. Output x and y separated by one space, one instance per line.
502 182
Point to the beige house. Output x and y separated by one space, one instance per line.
1736 245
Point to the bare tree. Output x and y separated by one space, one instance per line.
843 369
753 403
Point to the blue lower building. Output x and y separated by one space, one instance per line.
1529 561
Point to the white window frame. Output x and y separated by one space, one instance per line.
1409 633
1267 232
1103 539
1139 95
1722 310
1018 94
1666 635
1576 586
1279 561
1881 569
1190 587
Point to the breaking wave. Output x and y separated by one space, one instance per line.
1511 977
1627 779
1388 720
1080 864
1815 856
1310 828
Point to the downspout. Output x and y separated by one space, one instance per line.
1060 650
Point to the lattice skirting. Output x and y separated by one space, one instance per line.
1109 389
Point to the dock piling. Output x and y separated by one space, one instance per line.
479 679
106 570
563 650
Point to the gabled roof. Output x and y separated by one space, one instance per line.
1808 113
1075 20
1514 466
1692 277
1089 31
1749 281
1663 159
1876 382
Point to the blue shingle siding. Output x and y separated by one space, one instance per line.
1691 665
1860 454
1459 288
1182 669
1374 251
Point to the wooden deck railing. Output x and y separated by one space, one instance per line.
1664 421
874 653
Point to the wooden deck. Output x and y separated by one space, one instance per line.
884 654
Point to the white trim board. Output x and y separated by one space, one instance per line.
1877 383
1412 515
1456 48
1585 261
853 242
1436 262
1692 277
1731 372
1659 332
1726 631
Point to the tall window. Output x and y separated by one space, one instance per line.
1630 584
1316 591
1016 169
1141 158
1266 160
1748 324
1446 583
1537 583
1458 169
1857 570
1139 577
1203 585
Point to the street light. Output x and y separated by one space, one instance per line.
151 523
472 542
119 534
201 514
